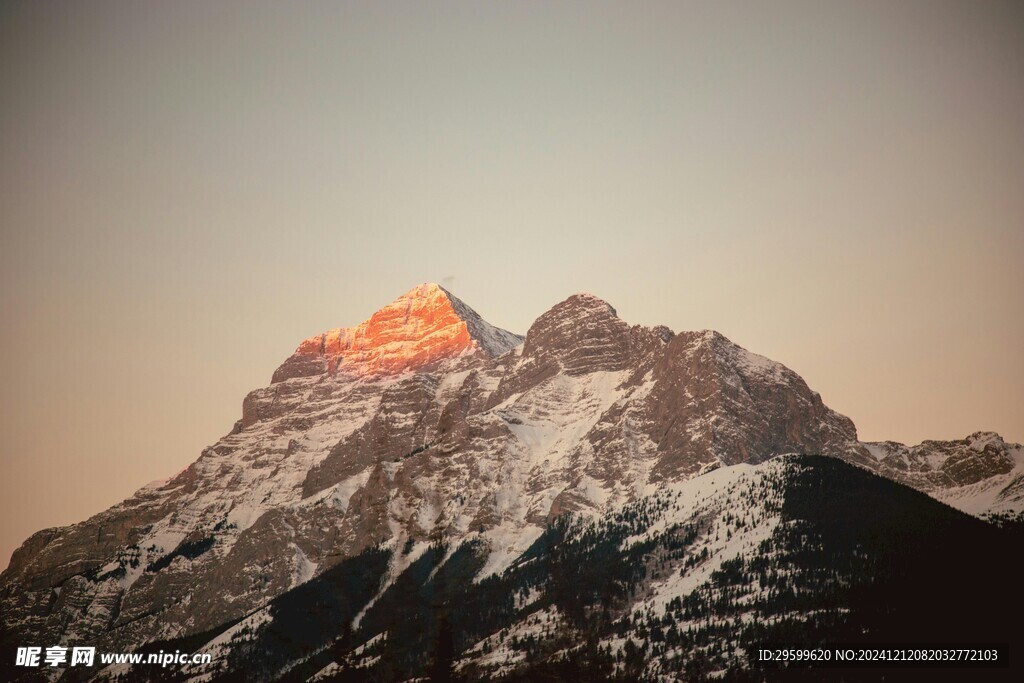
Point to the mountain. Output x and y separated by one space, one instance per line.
982 474
426 446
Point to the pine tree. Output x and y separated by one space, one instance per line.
442 664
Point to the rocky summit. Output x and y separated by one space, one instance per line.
420 328
426 444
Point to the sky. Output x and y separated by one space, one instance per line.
189 189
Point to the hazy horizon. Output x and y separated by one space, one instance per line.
188 190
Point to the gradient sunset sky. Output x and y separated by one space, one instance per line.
189 189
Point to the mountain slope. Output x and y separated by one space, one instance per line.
684 581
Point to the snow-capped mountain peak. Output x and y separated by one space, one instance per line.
388 446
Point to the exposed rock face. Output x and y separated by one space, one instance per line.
425 325
713 396
426 423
